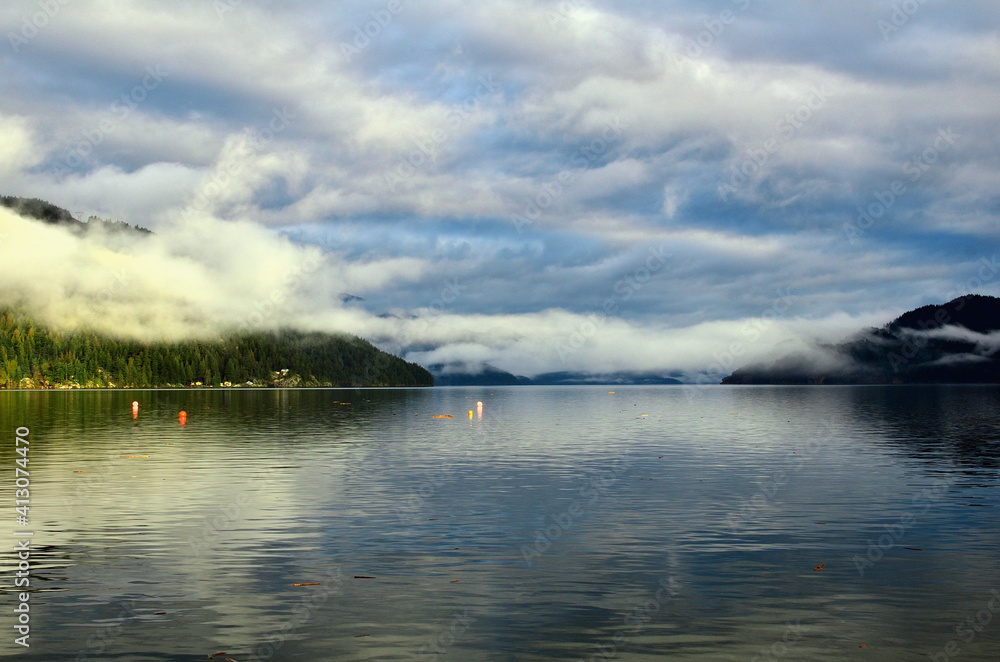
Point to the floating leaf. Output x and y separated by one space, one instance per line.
443 416
307 584
454 581
915 549
363 577
819 567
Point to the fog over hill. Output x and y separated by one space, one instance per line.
954 342
199 277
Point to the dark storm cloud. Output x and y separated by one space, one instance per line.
533 154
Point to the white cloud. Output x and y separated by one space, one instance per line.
562 73
17 148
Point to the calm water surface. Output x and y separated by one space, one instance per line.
564 523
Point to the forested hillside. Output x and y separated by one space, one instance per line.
957 342
33 356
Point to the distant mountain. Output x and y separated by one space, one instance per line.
952 343
492 376
34 356
50 213
606 379
487 376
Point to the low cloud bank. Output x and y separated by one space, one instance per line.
201 277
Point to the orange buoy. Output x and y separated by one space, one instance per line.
135 409
182 417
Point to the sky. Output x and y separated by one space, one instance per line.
681 187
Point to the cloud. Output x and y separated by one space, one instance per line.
985 343
17 149
468 143
199 277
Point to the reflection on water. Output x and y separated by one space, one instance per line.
565 523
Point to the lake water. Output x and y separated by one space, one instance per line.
564 523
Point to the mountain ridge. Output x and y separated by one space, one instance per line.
950 343
490 375
35 356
